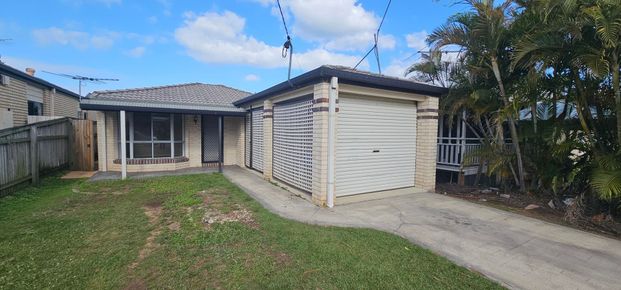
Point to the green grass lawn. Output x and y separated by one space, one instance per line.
151 233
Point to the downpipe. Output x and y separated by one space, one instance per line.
332 96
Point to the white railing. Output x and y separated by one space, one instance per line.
454 151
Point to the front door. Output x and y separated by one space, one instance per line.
212 140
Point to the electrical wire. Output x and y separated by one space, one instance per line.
375 47
287 47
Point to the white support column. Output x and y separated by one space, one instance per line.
123 146
332 96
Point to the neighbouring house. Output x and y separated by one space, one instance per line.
458 140
332 132
24 96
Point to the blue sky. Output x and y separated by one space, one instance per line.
235 42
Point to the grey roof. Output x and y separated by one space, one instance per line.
195 97
6 69
345 75
192 93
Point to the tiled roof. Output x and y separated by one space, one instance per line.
345 75
190 94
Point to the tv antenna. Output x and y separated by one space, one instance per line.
81 79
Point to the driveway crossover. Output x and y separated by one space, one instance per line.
517 251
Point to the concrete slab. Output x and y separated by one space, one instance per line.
78 174
517 251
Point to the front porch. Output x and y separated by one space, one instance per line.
167 141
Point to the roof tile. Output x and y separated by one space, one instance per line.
191 93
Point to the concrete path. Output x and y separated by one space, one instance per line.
114 175
517 251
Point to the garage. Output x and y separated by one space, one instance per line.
376 145
339 135
293 142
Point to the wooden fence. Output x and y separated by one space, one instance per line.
27 150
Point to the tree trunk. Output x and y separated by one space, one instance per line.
617 91
512 128
579 107
533 113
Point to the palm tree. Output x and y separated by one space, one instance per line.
606 18
485 34
432 69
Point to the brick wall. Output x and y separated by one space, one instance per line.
233 144
233 127
320 143
193 141
426 143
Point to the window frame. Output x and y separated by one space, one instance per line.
130 141
40 107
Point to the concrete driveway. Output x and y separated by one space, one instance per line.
517 251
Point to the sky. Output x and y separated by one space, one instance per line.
236 43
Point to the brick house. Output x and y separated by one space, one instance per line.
330 133
22 95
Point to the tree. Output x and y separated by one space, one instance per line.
485 33
606 18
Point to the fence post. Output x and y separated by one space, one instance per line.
34 155
70 144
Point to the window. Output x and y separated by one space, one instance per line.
35 108
153 135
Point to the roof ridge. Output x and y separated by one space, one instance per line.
146 88
232 88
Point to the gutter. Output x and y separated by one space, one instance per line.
324 73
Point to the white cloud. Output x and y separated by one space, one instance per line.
102 41
252 77
336 25
219 38
152 19
416 40
77 39
397 68
136 51
167 6
55 35
84 40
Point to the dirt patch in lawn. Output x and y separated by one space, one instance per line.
281 258
530 205
240 214
136 284
219 211
152 210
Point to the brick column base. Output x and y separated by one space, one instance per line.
426 143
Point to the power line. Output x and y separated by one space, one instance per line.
383 17
430 51
283 18
287 47
375 40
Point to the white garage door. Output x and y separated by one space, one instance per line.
257 139
293 142
376 145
